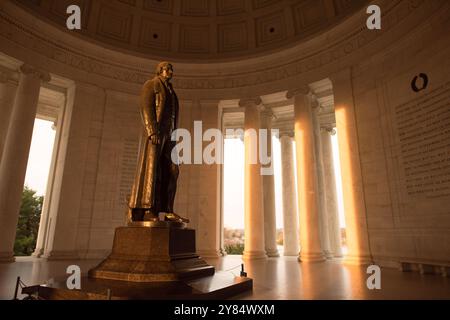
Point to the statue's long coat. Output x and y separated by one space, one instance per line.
156 112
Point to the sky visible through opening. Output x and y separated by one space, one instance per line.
40 156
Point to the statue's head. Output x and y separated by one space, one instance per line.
164 70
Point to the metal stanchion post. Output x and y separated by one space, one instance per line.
16 290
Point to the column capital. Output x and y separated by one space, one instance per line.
244 102
329 129
302 90
267 115
286 133
315 105
30 70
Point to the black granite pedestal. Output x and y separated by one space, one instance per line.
148 254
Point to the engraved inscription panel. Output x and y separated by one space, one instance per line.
424 132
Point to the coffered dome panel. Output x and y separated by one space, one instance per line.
270 29
114 25
197 30
155 34
229 7
195 8
233 37
162 6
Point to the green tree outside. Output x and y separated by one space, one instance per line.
235 248
28 225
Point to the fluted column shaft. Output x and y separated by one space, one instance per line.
306 178
290 216
15 156
330 191
7 95
253 188
352 184
270 224
323 215
45 214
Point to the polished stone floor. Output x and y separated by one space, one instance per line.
281 278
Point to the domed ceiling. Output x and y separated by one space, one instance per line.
198 30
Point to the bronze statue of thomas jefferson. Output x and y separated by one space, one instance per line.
156 177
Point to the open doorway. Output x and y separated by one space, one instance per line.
233 205
39 162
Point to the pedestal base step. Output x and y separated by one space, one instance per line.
221 285
148 254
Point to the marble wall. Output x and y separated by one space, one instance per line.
404 149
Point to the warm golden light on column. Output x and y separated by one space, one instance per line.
290 216
330 190
254 247
321 192
270 224
306 178
352 184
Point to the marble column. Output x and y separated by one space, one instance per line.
352 183
45 214
323 216
330 191
15 156
270 224
290 216
7 95
310 250
253 189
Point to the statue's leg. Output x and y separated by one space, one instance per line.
172 172
164 177
150 187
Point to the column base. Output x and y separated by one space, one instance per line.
337 254
37 253
357 260
7 257
311 257
328 255
272 253
254 255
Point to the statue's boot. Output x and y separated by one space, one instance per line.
174 217
150 215
137 214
